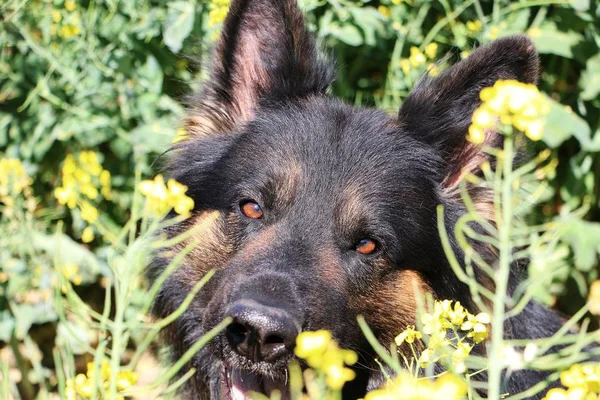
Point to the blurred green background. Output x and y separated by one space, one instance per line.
102 81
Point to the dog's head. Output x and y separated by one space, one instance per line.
312 211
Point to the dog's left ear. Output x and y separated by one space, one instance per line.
265 54
439 110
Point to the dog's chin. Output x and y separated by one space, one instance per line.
238 384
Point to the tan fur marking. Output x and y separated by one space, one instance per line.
259 243
391 307
330 268
291 178
211 249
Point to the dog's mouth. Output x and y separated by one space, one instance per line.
238 384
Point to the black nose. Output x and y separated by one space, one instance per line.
260 332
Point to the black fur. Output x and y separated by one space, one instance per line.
326 175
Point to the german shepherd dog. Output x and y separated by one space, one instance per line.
315 212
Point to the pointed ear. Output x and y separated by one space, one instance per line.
439 110
264 54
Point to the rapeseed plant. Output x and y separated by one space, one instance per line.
161 198
511 103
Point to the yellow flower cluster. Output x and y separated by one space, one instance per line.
446 322
160 198
83 384
81 178
474 26
323 354
417 58
385 11
581 382
71 23
512 103
218 11
84 181
71 272
407 387
13 180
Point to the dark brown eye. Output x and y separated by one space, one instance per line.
366 246
251 209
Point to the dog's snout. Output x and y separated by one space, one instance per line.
260 332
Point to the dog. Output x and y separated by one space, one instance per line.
314 211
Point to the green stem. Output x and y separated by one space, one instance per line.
502 275
27 389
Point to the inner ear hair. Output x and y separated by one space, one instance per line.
439 110
264 55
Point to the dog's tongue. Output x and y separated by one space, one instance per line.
243 382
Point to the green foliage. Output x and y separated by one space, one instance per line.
108 76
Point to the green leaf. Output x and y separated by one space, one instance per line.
69 251
549 39
590 79
7 324
179 24
28 314
562 123
370 21
584 238
154 137
580 5
348 34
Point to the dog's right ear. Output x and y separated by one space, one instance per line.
264 54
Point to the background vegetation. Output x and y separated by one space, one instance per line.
90 98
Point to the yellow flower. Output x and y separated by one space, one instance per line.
409 335
89 213
494 32
407 387
81 178
416 57
66 195
338 375
511 103
405 65
13 178
181 203
71 272
180 135
70 5
68 31
433 70
87 235
450 386
385 11
322 353
594 298
427 357
312 345
474 26
161 198
431 50
218 11
56 16
126 379
82 384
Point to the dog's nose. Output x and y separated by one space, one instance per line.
260 332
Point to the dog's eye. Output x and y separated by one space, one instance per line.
251 209
366 246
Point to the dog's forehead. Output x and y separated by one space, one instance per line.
327 136
333 155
